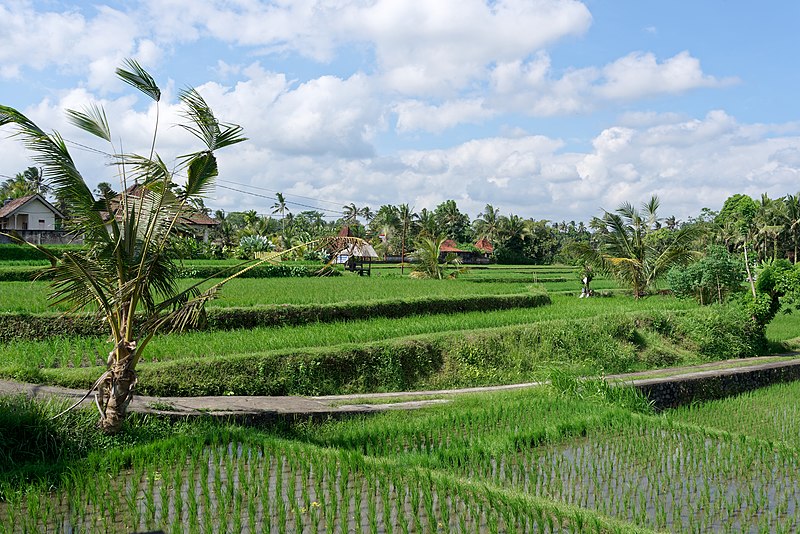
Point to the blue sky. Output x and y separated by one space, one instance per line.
552 109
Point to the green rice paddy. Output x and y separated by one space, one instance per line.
525 461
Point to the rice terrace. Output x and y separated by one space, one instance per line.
142 292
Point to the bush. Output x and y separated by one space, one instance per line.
711 279
11 252
723 332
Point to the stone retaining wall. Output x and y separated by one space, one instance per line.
674 391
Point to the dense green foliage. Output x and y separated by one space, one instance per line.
711 279
10 252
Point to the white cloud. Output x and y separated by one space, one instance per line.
415 115
69 41
639 75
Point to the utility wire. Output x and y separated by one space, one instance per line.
276 191
317 208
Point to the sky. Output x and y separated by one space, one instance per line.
550 109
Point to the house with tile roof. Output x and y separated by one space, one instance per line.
31 212
192 221
33 219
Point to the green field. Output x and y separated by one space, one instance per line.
577 457
31 297
599 335
544 460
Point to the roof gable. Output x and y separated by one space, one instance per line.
448 245
16 204
485 245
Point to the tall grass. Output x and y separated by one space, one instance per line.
81 352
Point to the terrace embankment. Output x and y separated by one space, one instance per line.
702 383
673 387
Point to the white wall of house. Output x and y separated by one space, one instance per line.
34 215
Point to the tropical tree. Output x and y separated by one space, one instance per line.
427 255
280 207
406 218
125 270
35 180
487 225
16 187
628 249
105 190
126 265
450 221
711 279
350 213
367 213
792 221
426 222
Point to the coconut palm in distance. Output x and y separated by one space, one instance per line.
427 263
628 247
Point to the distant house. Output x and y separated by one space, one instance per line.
466 256
192 221
30 212
485 246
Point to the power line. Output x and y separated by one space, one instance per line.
317 208
276 191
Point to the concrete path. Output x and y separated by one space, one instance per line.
257 408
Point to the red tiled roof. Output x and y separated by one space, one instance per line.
485 245
10 207
448 245
15 204
188 217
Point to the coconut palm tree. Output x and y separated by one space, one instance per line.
350 213
16 187
125 271
406 219
487 225
126 267
628 250
427 264
367 213
792 220
280 207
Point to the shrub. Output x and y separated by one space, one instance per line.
250 244
711 279
12 252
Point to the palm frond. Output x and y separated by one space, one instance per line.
92 120
204 125
200 174
144 170
139 78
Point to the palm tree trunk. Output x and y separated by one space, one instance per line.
749 274
116 391
403 252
